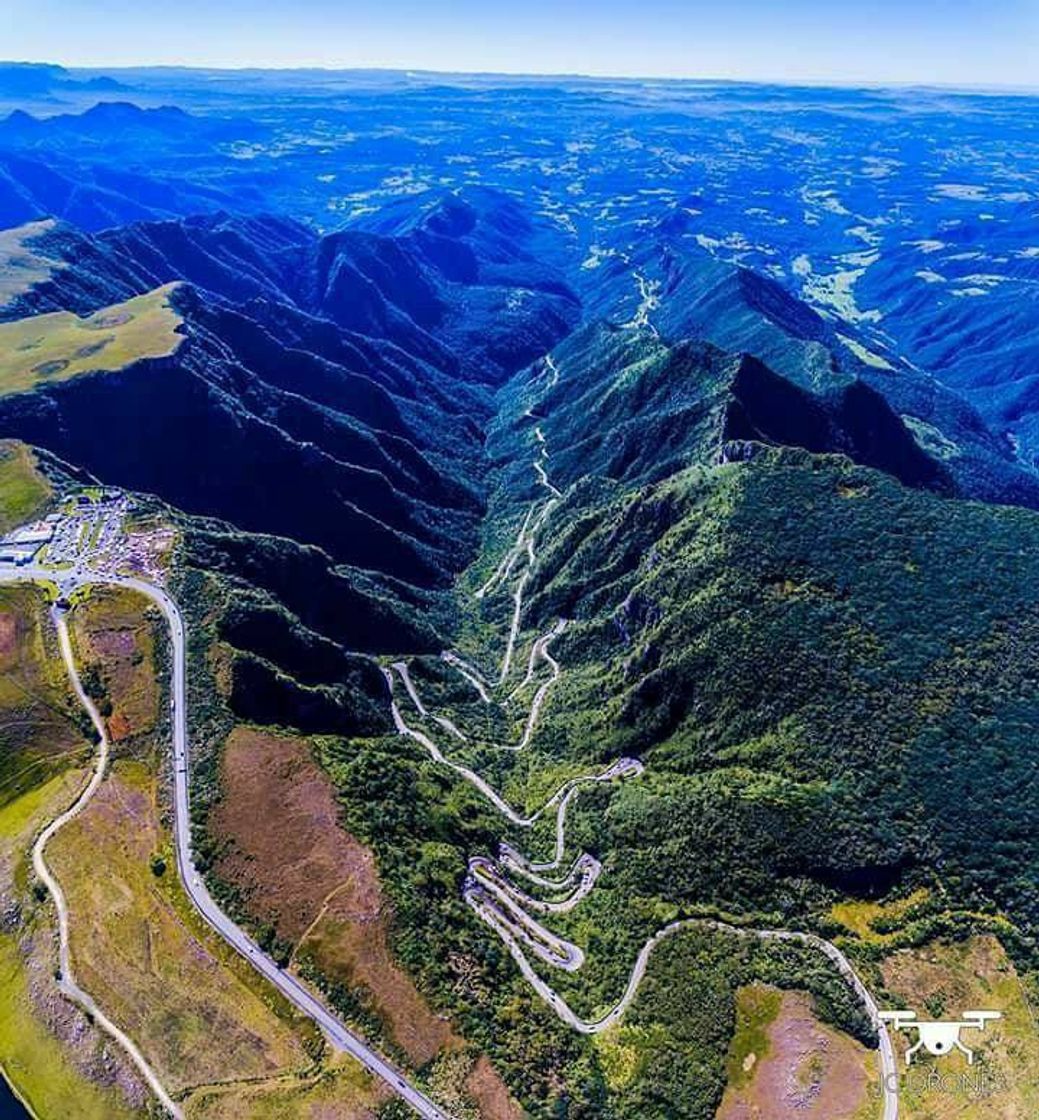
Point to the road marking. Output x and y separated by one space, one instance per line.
300 996
67 982
499 903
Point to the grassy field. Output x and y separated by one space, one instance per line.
195 1021
58 346
756 1009
20 266
340 1092
783 1062
943 979
24 492
59 1065
315 887
39 1064
115 638
39 723
217 1035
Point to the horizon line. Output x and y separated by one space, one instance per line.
407 71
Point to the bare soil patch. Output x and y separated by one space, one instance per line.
312 881
806 1069
8 630
489 1093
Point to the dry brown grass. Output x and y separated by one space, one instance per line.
799 1067
312 881
941 980
319 888
488 1091
115 629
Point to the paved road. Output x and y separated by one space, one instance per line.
300 996
539 651
507 932
500 904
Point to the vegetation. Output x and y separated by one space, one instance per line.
132 928
793 664
54 1076
24 491
118 641
55 347
786 643
756 1008
20 266
945 977
42 729
783 1062
833 699
133 953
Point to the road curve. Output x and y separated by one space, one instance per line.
585 1026
66 982
538 651
500 904
295 992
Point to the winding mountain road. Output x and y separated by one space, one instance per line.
496 901
67 581
502 905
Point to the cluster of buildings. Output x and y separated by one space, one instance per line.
21 545
87 522
91 527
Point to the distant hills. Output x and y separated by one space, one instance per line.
361 364
35 79
783 490
328 390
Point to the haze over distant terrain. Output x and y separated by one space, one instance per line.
517 594
954 42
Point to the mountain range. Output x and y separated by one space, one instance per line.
764 531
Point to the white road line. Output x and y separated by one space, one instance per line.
486 870
470 674
293 989
505 565
543 479
499 903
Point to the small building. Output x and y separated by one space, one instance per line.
11 554
36 534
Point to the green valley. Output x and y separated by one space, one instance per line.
483 639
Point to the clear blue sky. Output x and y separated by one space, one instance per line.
960 42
